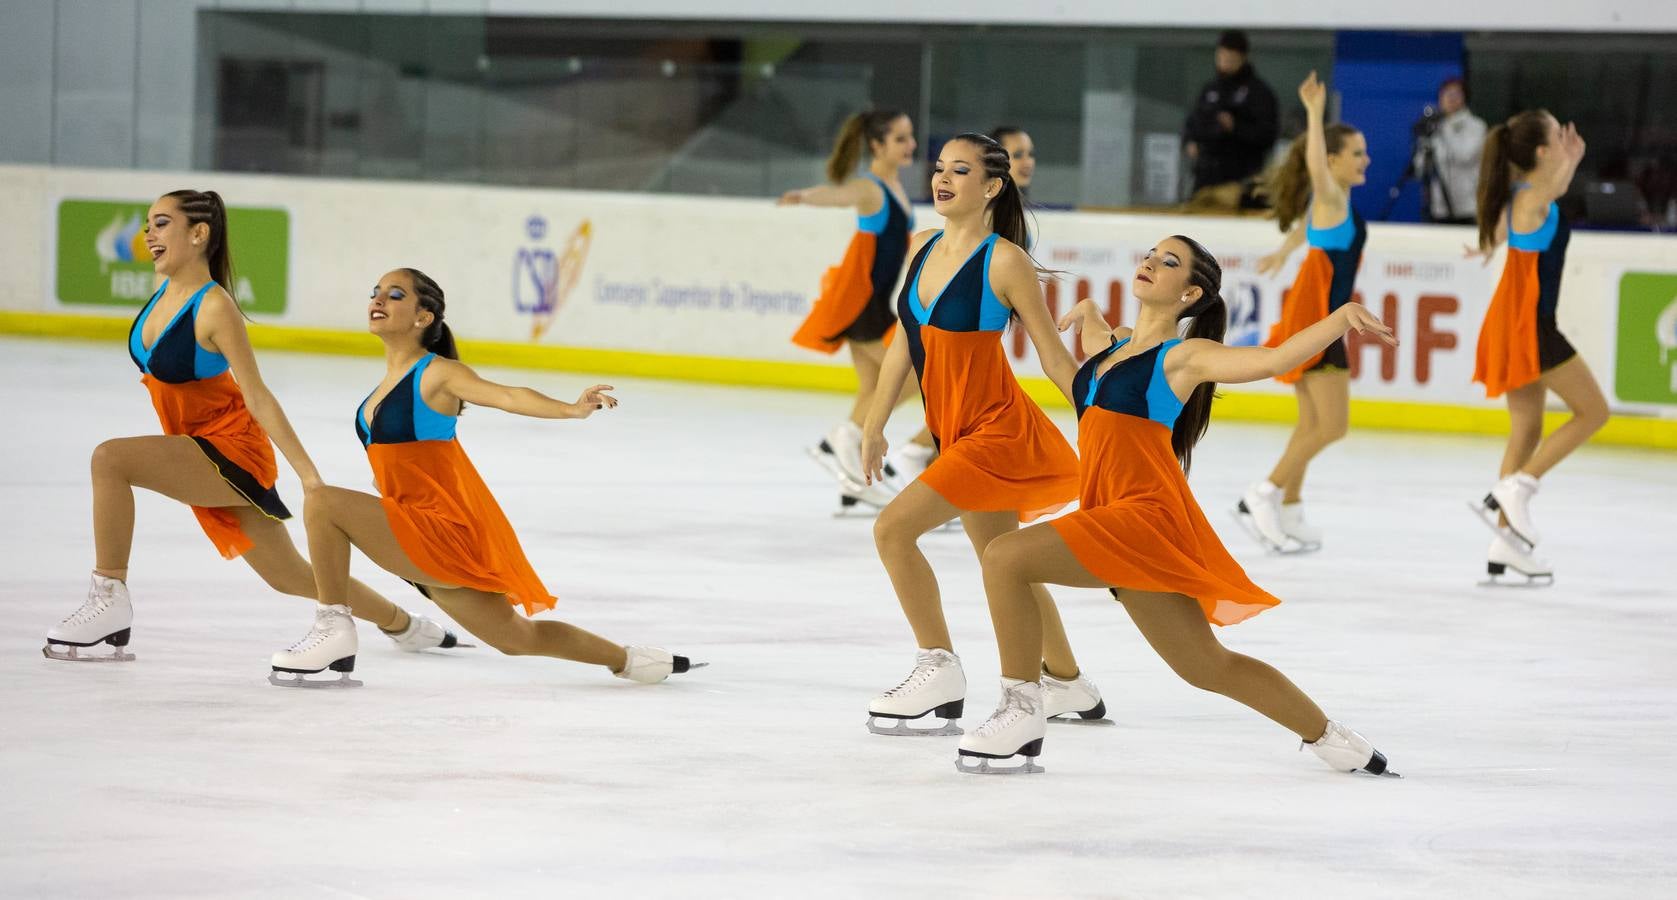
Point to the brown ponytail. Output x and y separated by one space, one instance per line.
1288 186
859 130
1509 146
206 207
1210 321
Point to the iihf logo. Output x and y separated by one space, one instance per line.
542 279
1245 304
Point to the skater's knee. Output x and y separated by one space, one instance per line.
1004 556
319 506
893 530
1331 432
1592 415
107 458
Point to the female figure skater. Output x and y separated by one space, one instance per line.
1528 164
1143 400
1334 158
195 359
1021 154
434 522
855 302
1000 460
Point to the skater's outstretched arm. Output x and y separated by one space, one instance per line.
456 383
1199 360
1272 263
858 193
222 327
1086 318
1014 276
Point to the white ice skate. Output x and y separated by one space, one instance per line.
908 462
936 687
423 634
1506 554
106 618
1307 536
1348 751
840 453
1077 696
1511 497
1259 512
650 665
1016 728
330 644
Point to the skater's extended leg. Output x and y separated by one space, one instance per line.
498 624
1176 629
275 558
171 465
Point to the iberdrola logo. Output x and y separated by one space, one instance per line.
123 240
1666 333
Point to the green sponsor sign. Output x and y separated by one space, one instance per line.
103 261
1646 367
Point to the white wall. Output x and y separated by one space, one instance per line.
732 278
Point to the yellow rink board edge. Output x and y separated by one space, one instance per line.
1622 430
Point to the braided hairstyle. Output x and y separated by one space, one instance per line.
1007 208
437 338
205 207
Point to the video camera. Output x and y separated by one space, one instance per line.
1427 125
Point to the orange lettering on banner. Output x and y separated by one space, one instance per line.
1388 355
1051 295
1426 338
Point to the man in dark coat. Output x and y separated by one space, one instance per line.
1233 127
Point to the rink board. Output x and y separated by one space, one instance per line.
710 289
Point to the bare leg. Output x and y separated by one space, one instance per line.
493 619
1525 432
867 357
337 518
1303 437
1016 565
896 533
171 465
1329 395
1581 394
1176 629
275 558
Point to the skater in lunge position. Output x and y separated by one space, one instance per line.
1000 460
195 359
1528 164
1312 196
434 522
854 307
1143 400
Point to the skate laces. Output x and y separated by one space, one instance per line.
97 602
924 668
1013 706
321 630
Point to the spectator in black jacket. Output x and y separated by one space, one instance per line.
1233 127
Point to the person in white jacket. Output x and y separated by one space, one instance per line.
1454 141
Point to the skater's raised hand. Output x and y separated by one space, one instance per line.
874 447
1200 360
1074 317
1313 93
1572 144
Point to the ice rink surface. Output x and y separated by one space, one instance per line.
1536 728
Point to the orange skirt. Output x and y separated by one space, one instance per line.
846 290
449 524
1508 353
997 450
1139 528
1303 305
212 412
